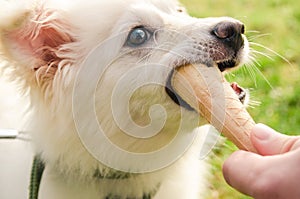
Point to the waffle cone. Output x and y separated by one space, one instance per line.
206 91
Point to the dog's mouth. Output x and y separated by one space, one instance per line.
240 91
223 66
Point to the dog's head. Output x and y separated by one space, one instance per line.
122 55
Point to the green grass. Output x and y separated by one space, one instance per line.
274 24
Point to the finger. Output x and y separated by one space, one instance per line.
269 142
237 170
264 177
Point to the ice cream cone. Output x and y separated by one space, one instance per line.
205 89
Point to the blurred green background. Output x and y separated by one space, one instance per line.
273 28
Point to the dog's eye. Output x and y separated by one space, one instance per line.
138 36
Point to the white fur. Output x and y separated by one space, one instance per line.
77 28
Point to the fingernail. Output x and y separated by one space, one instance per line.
262 132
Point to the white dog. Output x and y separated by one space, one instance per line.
111 62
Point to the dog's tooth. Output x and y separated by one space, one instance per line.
206 90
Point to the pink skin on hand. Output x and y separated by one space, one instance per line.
271 174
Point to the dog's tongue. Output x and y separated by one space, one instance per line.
206 90
238 90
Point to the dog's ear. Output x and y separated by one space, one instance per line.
36 40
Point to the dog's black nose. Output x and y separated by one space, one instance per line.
230 33
228 30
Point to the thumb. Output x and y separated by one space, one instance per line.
269 142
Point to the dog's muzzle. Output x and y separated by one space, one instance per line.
229 35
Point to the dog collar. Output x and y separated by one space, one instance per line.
145 196
37 170
116 175
38 167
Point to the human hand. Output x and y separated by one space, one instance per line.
274 173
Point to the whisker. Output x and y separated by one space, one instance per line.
248 69
254 37
253 103
272 51
253 31
263 54
255 69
